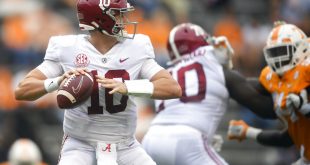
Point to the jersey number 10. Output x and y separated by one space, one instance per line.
95 107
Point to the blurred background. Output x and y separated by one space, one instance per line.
26 25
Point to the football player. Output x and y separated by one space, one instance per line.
183 130
101 130
287 78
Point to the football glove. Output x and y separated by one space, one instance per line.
217 142
299 102
240 130
223 51
237 130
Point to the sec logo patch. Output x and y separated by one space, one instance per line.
81 60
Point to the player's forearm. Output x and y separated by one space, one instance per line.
30 89
262 106
166 88
245 94
274 138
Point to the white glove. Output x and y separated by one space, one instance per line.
223 51
217 142
299 102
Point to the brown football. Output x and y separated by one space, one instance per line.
75 90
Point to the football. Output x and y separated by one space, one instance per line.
75 90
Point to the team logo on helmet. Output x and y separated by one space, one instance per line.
81 60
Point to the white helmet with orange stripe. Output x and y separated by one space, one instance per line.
286 47
24 151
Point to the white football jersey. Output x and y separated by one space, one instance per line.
205 96
103 117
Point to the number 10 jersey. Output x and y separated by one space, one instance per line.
103 117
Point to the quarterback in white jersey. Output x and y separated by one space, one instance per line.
182 131
101 130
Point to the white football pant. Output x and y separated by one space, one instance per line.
179 145
78 152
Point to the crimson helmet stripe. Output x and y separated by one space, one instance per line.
172 42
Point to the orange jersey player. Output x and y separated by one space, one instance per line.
287 79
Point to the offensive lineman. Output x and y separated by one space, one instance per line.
182 131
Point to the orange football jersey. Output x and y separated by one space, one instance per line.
293 81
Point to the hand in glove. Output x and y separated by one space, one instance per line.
240 130
223 51
217 142
299 102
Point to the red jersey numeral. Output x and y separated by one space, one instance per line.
202 84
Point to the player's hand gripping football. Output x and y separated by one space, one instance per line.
116 86
237 130
299 102
67 74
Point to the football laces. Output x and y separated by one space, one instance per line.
69 80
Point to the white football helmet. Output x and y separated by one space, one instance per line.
24 152
286 47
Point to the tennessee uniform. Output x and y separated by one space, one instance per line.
293 81
286 79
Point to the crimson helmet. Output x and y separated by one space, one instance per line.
107 16
184 39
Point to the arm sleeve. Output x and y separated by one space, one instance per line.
244 93
275 138
149 69
50 68
149 50
52 52
258 86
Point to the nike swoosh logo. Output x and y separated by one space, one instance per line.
123 60
78 88
50 84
